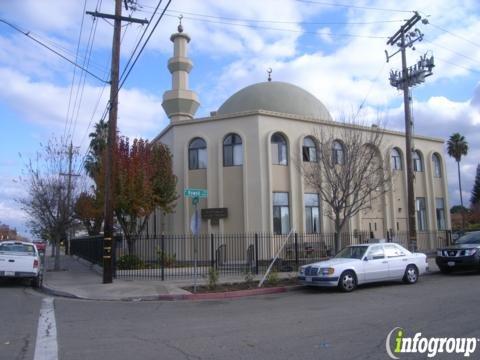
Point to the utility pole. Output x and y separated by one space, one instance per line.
112 134
403 80
69 189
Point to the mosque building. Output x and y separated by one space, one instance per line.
244 155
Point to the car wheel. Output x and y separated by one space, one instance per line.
445 270
411 274
37 282
348 281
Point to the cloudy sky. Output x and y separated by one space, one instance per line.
335 50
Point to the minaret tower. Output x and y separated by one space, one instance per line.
180 103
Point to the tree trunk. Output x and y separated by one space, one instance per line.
337 234
130 244
461 196
56 266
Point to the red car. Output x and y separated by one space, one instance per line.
41 245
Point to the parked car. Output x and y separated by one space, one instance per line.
40 244
366 263
464 254
20 259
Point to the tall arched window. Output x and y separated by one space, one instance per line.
396 159
437 165
232 150
279 149
197 154
417 161
309 150
338 153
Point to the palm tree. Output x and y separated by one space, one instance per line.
98 143
456 147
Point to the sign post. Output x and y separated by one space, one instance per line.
195 194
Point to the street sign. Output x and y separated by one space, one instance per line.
195 193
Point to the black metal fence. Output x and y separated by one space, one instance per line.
167 257
89 248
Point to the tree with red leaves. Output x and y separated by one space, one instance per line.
144 181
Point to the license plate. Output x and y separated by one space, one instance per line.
308 279
9 273
451 263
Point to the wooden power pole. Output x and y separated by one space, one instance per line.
112 135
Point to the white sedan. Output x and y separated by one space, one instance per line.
361 264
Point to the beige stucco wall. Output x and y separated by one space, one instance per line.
247 190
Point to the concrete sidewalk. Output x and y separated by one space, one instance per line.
79 279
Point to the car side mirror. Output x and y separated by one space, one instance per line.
366 258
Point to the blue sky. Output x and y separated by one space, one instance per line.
333 49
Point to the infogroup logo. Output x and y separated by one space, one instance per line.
397 343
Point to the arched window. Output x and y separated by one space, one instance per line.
232 150
396 159
197 154
338 153
309 150
417 161
279 149
437 166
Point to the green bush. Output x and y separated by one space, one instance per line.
272 277
249 278
130 262
169 260
212 278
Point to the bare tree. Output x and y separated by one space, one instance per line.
46 203
348 173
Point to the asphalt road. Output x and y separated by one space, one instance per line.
305 324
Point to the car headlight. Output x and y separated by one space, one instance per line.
326 271
470 252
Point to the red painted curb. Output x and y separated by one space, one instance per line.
228 294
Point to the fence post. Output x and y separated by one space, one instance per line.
296 249
449 237
212 251
256 253
162 240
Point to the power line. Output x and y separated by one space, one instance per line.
144 44
279 21
455 35
282 29
324 3
74 68
459 66
27 34
86 62
453 52
140 40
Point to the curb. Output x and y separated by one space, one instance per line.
189 297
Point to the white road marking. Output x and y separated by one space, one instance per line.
46 347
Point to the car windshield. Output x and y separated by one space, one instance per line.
352 252
472 238
17 248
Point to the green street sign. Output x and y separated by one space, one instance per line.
195 193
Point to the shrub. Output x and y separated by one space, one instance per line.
273 278
130 262
169 260
212 278
249 278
